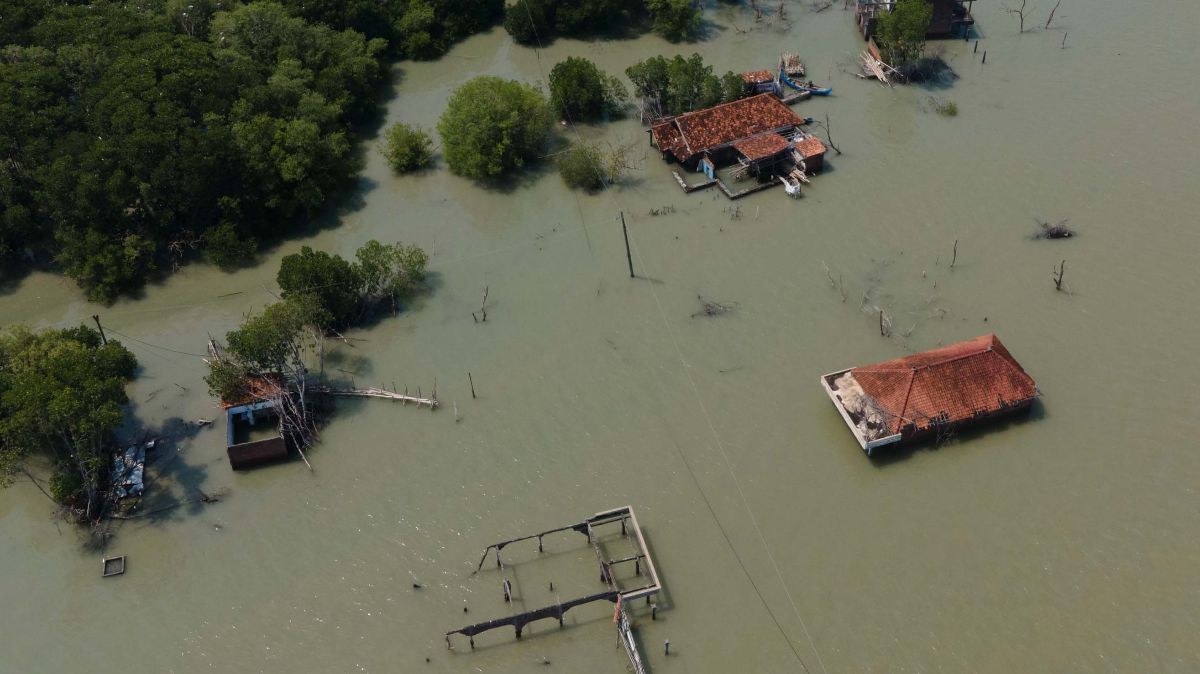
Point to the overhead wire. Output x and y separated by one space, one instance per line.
708 419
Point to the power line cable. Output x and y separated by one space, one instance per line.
711 426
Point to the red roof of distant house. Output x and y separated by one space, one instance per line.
762 146
952 382
757 76
810 146
258 388
692 133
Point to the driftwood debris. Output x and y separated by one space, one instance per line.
1058 275
1059 230
712 308
482 306
431 402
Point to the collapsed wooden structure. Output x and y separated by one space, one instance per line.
643 566
874 66
930 394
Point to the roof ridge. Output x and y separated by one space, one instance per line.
721 105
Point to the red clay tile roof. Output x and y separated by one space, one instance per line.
695 132
810 146
761 146
956 381
666 136
757 76
258 388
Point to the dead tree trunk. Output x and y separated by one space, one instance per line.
1052 11
1020 12
829 135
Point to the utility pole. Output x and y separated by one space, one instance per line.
628 255
96 317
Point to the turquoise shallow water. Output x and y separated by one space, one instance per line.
1064 543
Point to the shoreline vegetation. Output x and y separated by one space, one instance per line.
137 137
62 396
320 295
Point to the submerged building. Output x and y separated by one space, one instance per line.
253 427
759 136
949 16
712 132
930 393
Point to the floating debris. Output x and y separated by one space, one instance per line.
1059 230
711 308
113 566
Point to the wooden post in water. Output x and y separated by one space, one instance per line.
472 385
628 255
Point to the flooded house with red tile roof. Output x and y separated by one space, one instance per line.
930 393
758 135
712 131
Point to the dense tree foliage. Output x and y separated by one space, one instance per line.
582 167
320 292
579 91
900 33
533 21
679 84
134 135
345 290
407 148
492 126
675 19
417 29
61 394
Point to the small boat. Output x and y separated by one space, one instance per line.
801 86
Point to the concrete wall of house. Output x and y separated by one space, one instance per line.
250 454
909 435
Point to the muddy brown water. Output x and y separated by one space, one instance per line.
1064 543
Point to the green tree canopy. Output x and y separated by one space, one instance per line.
329 278
675 19
137 136
581 91
344 291
388 272
530 21
900 33
678 85
582 167
62 393
407 148
492 126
